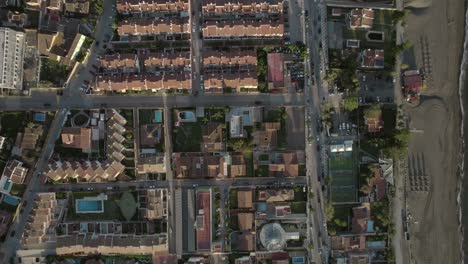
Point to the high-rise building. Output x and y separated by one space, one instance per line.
11 58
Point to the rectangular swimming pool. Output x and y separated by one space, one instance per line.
11 200
89 206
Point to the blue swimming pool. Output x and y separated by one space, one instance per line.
297 260
7 185
89 206
158 116
41 117
11 200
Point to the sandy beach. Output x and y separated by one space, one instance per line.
435 148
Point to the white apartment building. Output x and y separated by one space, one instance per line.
11 58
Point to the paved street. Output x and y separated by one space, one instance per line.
49 101
178 184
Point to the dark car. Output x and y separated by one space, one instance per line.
47 105
12 234
257 102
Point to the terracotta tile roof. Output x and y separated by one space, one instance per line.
243 28
137 6
361 18
242 6
245 221
162 59
115 61
371 58
348 242
246 242
153 27
230 57
361 216
244 198
75 137
144 82
234 80
212 137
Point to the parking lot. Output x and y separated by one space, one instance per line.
376 87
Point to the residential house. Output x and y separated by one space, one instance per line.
239 117
372 59
151 164
154 83
233 57
34 4
267 138
287 164
41 225
373 120
345 243
207 165
244 260
239 7
120 63
246 242
238 80
376 190
77 6
84 171
151 135
77 137
16 19
158 26
163 7
13 173
245 199
156 204
245 221
280 195
361 18
212 138
361 221
158 61
215 29
58 47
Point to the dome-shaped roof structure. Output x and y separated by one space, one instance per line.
273 236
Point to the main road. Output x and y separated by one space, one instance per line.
50 101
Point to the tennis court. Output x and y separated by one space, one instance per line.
343 195
343 178
341 163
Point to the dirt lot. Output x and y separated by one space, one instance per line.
434 224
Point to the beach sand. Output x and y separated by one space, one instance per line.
436 144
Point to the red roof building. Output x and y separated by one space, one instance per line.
275 70
413 83
203 223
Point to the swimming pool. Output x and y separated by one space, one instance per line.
89 206
11 200
158 116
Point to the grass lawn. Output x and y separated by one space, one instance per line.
343 195
341 163
146 116
128 115
111 209
12 123
187 137
302 169
343 178
127 205
262 171
264 157
298 207
299 194
232 198
248 157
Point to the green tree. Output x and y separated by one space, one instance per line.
350 103
329 210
